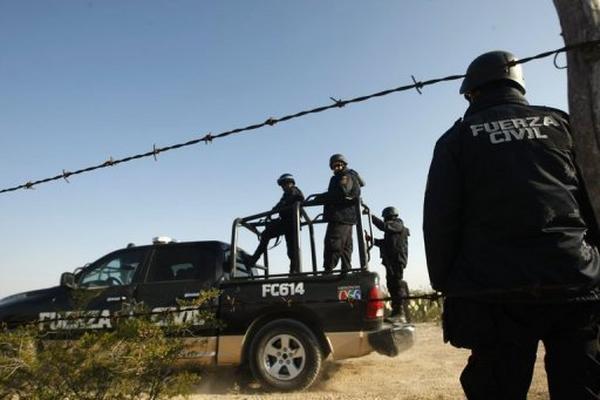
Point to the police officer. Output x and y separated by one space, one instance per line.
394 254
510 241
284 225
340 213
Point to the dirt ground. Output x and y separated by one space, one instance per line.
428 371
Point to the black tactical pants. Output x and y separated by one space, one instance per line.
338 244
273 229
503 339
397 287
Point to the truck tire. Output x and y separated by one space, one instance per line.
285 355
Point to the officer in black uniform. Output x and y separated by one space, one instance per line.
394 255
340 213
511 243
284 225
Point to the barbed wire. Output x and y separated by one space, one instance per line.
228 303
271 121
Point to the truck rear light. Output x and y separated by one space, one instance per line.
375 303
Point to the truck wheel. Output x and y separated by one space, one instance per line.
285 355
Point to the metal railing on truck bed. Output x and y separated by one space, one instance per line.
300 218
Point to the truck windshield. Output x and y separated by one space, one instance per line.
113 270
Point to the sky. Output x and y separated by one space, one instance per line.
83 81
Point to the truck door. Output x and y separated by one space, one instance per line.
182 272
103 287
110 280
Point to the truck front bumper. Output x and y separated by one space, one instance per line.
392 339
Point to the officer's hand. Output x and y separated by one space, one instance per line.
368 238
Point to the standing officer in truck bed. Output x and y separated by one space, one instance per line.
284 225
511 242
394 255
340 213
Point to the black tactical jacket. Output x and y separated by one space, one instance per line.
340 199
504 205
394 245
288 198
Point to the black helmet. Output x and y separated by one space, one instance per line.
337 157
491 67
389 212
285 178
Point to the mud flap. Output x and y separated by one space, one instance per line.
392 339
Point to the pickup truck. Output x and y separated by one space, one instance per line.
281 326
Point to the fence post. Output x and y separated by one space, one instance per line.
580 22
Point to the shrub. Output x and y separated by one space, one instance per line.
134 360
424 310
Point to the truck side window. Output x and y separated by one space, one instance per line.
242 270
113 270
178 263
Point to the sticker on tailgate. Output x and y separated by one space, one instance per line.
349 292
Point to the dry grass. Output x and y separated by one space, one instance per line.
428 371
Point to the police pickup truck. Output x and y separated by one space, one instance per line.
282 326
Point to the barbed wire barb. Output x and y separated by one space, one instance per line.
66 175
418 85
338 102
208 138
